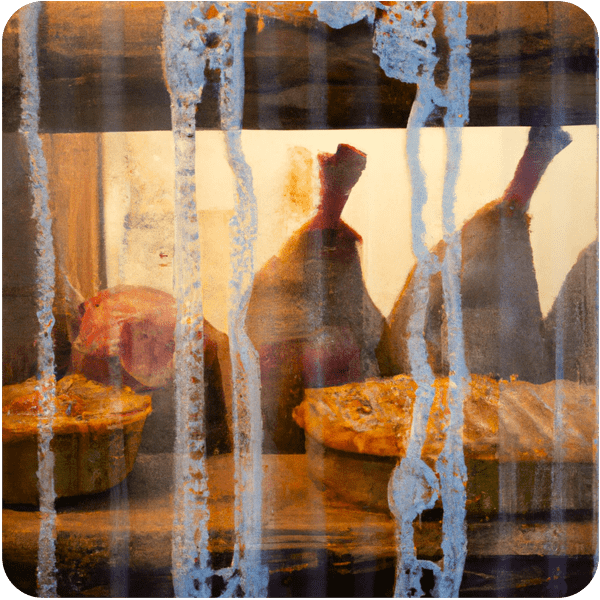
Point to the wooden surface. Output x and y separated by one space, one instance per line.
129 528
101 69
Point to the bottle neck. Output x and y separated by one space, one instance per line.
541 149
330 210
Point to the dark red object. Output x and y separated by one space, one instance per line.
502 319
126 337
310 315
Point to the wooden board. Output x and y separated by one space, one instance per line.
304 531
101 69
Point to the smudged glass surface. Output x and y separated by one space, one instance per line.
184 256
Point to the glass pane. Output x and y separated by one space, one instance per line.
300 299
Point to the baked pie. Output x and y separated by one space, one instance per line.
96 433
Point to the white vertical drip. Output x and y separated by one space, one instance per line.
407 51
406 48
45 278
451 463
190 534
245 369
412 486
188 26
184 69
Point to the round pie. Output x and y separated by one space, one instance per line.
96 433
355 434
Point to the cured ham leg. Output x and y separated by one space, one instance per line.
310 316
502 319
126 335
571 327
135 324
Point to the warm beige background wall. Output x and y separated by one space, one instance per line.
138 176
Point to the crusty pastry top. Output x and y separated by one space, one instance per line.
506 421
81 406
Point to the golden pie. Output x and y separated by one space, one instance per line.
355 433
96 433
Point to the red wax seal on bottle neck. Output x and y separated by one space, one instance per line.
339 173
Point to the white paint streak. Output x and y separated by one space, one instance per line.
402 57
247 418
193 39
184 70
45 276
451 462
404 42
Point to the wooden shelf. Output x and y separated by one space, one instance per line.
129 528
101 69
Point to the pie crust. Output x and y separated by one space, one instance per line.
505 421
355 434
96 431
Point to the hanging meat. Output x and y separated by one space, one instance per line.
126 335
571 326
502 320
310 316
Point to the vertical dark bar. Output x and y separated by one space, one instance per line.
51 92
508 115
102 276
508 72
371 97
269 88
317 57
558 565
111 118
112 69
